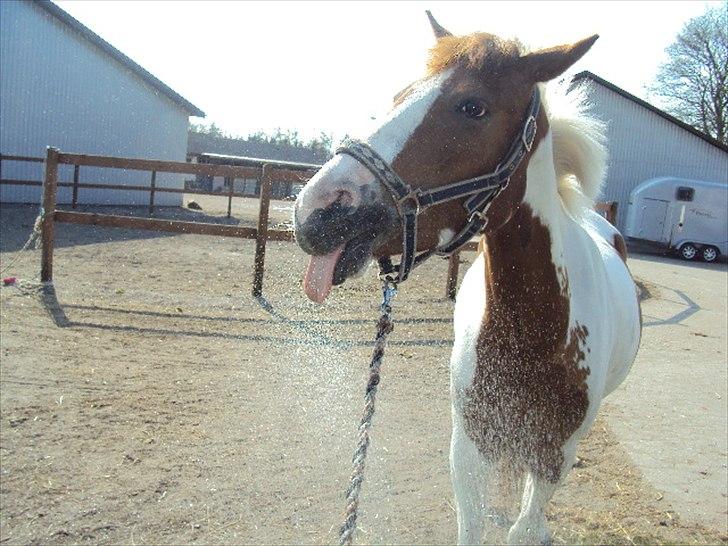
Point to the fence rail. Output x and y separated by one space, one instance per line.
266 172
286 172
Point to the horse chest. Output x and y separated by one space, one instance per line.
525 402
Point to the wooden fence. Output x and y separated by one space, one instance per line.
265 171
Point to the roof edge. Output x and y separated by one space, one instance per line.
110 50
609 85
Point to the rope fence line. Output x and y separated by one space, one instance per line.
33 238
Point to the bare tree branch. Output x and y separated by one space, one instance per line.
694 80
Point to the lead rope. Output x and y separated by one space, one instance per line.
384 327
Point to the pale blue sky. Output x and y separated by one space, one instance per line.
330 66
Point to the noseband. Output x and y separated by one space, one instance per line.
480 191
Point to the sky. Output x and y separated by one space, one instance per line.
333 66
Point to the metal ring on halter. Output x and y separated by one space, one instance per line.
413 197
528 136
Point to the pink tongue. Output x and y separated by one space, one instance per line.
320 275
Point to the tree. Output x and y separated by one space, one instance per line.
212 130
322 145
694 80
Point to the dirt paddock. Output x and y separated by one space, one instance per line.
153 400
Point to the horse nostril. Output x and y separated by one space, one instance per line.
344 198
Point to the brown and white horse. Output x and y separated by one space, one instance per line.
547 321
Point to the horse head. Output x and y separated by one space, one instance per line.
464 118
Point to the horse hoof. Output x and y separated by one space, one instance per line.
529 534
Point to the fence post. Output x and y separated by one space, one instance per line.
262 235
50 183
453 267
230 195
74 198
153 185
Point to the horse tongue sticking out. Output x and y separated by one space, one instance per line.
320 274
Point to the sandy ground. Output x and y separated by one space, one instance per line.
154 401
671 412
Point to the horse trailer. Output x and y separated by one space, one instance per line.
685 216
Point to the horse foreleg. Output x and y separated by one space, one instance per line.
531 526
469 472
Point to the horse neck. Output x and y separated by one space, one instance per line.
526 277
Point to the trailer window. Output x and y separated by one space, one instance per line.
685 194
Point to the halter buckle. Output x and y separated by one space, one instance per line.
409 204
529 132
480 214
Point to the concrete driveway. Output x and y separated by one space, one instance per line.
671 413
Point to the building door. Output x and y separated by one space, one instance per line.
652 220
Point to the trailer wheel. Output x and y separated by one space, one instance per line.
688 251
709 254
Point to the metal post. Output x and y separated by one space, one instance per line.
151 192
260 240
453 268
231 181
74 198
50 183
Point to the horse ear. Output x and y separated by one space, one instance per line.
547 64
439 31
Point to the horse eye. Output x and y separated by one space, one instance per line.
473 109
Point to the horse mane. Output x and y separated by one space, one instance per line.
476 50
579 144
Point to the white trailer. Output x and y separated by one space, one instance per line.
686 216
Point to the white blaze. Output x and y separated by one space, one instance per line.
402 121
389 139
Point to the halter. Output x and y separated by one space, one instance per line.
481 191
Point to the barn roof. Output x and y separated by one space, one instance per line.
199 143
609 85
110 50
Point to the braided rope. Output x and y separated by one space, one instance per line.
384 327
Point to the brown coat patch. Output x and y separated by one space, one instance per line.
447 147
620 246
529 394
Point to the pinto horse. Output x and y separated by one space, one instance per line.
547 319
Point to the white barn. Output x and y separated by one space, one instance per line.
644 142
64 86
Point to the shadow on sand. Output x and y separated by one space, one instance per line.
309 334
16 223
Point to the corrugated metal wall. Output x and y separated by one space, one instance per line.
644 145
58 89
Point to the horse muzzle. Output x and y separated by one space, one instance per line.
340 240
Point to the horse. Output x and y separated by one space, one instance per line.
547 319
